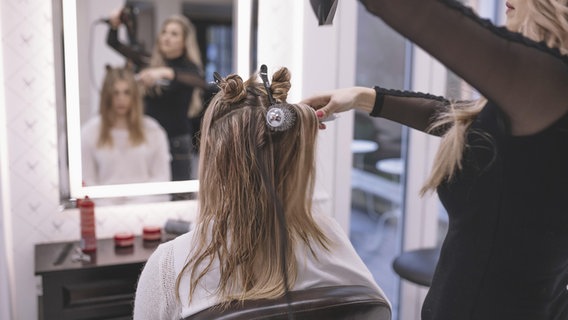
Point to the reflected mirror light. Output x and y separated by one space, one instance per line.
242 36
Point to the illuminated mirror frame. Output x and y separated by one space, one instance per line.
242 25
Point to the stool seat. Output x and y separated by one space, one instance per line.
394 166
363 146
417 266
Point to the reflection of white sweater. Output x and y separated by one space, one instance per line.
124 163
155 293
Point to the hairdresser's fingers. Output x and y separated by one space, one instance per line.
114 18
317 101
324 111
322 103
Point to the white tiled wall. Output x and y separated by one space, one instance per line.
27 41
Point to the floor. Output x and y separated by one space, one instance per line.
377 244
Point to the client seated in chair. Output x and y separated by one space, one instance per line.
257 235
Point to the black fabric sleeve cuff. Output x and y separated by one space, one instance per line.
381 93
379 101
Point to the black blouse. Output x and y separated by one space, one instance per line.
168 105
505 255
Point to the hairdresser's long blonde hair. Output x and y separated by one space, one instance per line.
241 161
546 21
191 48
106 109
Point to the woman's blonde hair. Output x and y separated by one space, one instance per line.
106 108
448 159
191 50
546 21
246 172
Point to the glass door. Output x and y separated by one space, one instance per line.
379 155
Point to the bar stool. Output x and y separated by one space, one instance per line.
359 148
417 266
392 166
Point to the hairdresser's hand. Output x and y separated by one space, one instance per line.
114 18
152 76
341 100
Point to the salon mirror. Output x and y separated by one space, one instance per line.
224 28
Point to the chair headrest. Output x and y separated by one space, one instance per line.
334 303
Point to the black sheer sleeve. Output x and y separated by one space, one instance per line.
140 59
414 109
527 80
189 77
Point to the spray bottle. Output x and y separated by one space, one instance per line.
88 224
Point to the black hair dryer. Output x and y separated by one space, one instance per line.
324 10
128 16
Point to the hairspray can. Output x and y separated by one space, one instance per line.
88 224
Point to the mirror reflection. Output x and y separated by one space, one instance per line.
116 140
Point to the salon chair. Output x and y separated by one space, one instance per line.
331 303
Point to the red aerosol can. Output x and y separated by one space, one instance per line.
88 225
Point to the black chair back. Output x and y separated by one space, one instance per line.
333 303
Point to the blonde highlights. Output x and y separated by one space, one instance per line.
547 21
245 171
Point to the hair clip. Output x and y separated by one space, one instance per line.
264 77
217 78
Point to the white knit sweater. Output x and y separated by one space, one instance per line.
125 163
155 294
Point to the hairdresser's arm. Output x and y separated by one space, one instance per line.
415 110
189 78
174 76
150 77
137 57
189 75
527 80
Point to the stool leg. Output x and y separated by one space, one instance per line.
377 239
